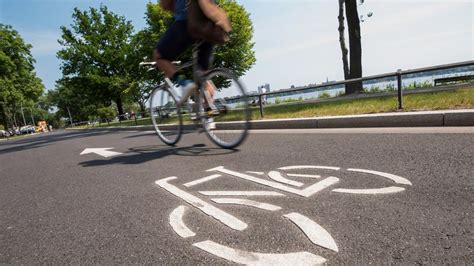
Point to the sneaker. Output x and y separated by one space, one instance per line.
187 85
212 112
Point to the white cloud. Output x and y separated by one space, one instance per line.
45 43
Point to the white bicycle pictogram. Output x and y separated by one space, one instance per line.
281 181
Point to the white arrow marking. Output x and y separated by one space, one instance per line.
316 233
252 258
104 152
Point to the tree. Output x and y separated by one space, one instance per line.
237 55
19 84
353 68
94 55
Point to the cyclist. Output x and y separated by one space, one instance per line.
176 40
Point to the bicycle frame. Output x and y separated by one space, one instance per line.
197 77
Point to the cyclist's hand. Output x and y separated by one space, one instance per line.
224 24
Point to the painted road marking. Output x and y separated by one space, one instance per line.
395 178
251 258
201 180
373 191
246 202
205 207
279 178
176 222
242 193
255 173
309 167
309 191
104 152
310 176
279 181
316 233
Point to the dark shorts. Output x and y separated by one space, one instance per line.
176 40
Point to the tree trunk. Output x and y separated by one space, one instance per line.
120 107
141 103
342 40
3 117
355 46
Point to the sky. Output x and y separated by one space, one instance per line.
296 41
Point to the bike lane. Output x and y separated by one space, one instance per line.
305 199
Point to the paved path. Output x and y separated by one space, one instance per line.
339 196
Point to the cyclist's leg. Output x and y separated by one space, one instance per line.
205 58
171 45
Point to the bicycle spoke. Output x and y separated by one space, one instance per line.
227 119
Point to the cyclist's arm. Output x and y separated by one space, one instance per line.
167 5
214 13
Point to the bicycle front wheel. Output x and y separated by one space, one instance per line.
228 127
166 115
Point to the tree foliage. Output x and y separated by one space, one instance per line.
19 85
94 55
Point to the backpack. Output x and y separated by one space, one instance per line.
201 27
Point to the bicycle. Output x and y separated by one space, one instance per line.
225 120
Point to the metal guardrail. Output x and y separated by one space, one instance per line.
398 74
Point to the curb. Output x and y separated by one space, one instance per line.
449 118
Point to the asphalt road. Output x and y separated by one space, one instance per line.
60 207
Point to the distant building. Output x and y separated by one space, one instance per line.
328 81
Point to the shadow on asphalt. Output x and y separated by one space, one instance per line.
45 139
152 133
139 155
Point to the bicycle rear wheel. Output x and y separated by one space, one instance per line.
166 115
229 127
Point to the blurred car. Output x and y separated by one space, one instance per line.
14 131
4 134
27 130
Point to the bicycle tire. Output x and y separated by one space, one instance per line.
236 120
164 110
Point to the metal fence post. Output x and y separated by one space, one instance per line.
260 103
399 85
